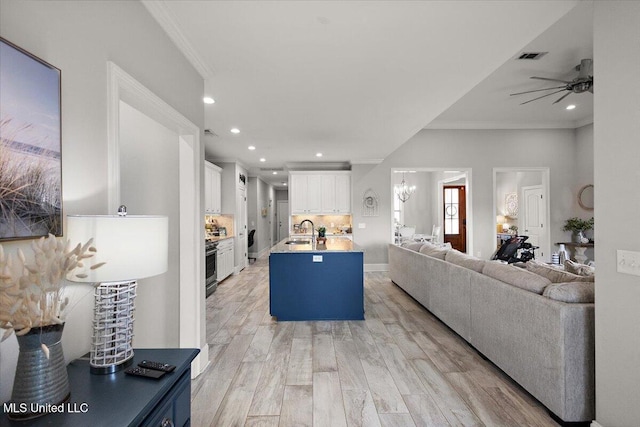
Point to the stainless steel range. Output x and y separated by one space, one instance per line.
210 251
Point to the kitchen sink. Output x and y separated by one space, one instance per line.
297 242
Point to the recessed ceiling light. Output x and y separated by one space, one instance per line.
262 159
251 147
275 172
284 183
571 107
208 100
318 154
235 130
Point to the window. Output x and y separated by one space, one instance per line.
398 212
451 211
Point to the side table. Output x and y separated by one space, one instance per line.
578 249
122 400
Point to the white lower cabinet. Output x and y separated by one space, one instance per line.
225 259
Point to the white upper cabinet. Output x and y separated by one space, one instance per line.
212 189
305 193
320 192
343 193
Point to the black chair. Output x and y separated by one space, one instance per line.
250 243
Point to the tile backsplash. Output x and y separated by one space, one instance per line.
333 223
214 222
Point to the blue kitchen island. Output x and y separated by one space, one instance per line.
316 282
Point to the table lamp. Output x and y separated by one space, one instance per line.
132 247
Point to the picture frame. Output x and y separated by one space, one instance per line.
30 145
511 205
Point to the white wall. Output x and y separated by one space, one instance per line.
259 195
149 167
617 192
79 38
418 209
263 223
230 205
476 149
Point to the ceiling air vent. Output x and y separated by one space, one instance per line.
209 132
532 55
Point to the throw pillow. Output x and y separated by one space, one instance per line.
464 260
434 251
515 276
555 275
414 246
573 292
579 269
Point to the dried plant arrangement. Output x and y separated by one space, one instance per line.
32 292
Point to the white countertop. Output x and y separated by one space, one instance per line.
333 244
218 238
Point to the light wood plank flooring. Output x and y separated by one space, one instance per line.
399 367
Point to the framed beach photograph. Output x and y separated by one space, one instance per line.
30 145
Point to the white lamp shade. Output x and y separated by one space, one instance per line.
132 247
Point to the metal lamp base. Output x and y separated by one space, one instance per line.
111 369
111 345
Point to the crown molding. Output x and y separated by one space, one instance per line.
486 125
167 20
584 122
366 161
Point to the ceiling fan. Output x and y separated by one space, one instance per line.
582 83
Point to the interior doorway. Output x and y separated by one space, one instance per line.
242 228
455 216
521 205
425 207
283 219
122 87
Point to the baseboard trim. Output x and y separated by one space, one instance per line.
376 267
201 362
258 254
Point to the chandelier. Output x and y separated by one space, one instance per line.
404 191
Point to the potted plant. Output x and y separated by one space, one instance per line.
578 226
32 305
321 234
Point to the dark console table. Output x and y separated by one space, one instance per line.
119 400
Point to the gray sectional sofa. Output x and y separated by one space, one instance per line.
538 332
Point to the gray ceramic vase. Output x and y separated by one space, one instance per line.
39 380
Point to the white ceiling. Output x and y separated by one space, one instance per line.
489 106
356 79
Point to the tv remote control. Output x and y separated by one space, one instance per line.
158 366
142 372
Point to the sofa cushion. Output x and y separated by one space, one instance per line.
464 260
555 274
578 292
579 269
515 276
414 246
434 251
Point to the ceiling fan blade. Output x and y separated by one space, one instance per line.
563 97
537 90
585 68
551 80
549 94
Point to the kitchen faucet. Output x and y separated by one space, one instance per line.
313 239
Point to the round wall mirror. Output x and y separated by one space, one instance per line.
585 197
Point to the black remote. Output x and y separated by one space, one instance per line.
142 372
157 366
